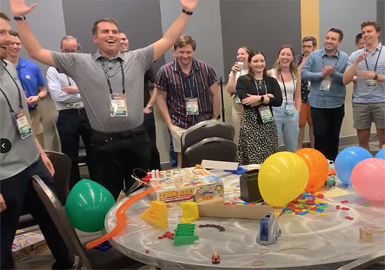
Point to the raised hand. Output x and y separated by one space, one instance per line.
19 8
188 5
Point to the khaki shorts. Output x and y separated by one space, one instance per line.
305 115
176 133
365 114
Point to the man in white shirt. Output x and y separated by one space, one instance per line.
72 121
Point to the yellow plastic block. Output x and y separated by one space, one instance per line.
311 212
318 201
190 212
156 214
322 214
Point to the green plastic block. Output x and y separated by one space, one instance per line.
184 234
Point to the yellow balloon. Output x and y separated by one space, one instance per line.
282 178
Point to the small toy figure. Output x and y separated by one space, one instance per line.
215 259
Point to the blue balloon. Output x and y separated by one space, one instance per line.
347 159
381 154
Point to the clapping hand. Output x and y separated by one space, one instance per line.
361 57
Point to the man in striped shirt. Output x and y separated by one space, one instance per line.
368 64
188 92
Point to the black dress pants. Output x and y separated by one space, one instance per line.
72 124
149 123
327 126
118 154
19 193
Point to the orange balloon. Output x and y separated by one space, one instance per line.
318 168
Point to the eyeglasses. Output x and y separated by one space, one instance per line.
307 46
69 51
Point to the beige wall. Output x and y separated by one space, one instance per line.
51 140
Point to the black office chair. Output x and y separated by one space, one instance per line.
61 178
218 149
89 258
204 130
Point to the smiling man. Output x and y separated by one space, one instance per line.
324 69
188 92
21 157
111 85
123 42
32 82
368 64
309 44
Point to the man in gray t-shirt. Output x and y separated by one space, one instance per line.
21 157
111 85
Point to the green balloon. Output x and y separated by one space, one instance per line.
87 205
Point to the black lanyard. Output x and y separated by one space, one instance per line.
284 85
68 79
260 87
19 75
108 77
18 90
338 59
375 66
183 79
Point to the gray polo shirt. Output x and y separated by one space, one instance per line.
87 71
23 153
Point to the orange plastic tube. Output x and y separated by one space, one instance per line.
121 219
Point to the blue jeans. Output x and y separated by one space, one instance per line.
287 127
173 155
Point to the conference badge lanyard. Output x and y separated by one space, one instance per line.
372 82
20 117
192 106
264 110
326 82
118 104
289 104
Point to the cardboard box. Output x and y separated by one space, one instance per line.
189 184
28 244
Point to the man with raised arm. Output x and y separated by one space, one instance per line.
111 85
21 157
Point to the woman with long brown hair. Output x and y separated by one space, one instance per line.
258 92
287 115
240 68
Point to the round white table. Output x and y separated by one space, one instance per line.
322 242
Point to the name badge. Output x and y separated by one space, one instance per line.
289 108
238 100
325 85
22 124
371 82
74 105
266 114
118 106
192 107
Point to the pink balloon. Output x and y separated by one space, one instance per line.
368 179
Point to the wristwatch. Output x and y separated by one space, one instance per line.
187 12
150 107
262 98
217 117
19 18
375 77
